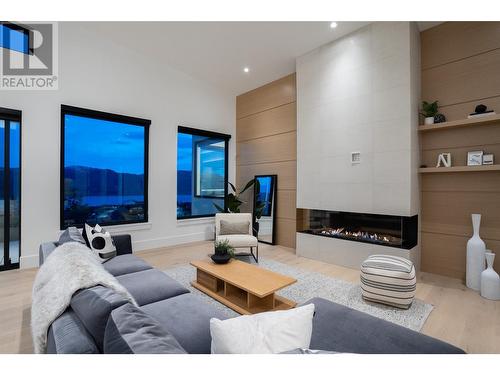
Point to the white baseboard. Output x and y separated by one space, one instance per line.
31 261
170 241
28 261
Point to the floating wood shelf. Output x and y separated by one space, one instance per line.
461 123
463 168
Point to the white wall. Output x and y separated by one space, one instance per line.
99 74
360 93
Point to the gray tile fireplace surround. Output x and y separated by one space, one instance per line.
347 253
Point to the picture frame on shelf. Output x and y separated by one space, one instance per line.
474 158
488 159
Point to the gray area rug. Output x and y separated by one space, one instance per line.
313 284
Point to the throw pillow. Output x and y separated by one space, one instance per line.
228 227
93 307
100 242
71 234
131 331
265 333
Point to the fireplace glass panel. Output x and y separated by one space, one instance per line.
386 230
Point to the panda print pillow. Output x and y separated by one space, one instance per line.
99 241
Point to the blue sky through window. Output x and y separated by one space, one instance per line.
184 152
104 144
104 175
15 40
15 142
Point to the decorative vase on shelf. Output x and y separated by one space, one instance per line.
439 118
490 281
429 120
475 256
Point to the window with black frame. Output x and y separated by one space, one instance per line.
202 167
10 188
104 168
15 37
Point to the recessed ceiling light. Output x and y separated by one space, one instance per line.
246 69
333 25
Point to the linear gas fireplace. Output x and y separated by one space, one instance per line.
386 230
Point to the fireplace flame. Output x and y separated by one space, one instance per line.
342 232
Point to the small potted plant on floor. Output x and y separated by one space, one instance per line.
223 252
429 110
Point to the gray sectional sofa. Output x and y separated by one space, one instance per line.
186 317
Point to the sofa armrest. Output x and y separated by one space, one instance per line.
341 329
45 250
123 243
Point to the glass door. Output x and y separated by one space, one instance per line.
10 188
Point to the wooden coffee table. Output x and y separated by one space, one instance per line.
243 287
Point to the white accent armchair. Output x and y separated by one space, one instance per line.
241 240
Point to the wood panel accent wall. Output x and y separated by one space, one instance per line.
266 143
460 69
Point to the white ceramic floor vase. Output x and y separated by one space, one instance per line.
475 256
490 281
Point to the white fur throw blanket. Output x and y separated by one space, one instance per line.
69 268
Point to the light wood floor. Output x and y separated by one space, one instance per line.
460 317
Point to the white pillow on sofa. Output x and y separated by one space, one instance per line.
265 333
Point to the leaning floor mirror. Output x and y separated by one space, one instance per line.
264 208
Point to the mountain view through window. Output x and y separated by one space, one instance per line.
104 171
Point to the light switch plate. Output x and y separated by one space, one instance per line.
355 157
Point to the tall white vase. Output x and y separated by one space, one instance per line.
475 256
490 281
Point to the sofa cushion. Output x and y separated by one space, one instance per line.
239 240
131 331
341 329
93 306
67 335
123 264
150 286
123 243
187 317
71 234
45 250
269 332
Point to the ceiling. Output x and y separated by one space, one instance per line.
218 52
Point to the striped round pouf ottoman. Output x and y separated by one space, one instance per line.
389 280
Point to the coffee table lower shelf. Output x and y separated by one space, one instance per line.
240 300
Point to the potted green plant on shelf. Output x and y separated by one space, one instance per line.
429 110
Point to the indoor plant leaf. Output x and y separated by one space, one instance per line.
247 186
219 208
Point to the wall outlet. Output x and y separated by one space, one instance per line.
355 157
